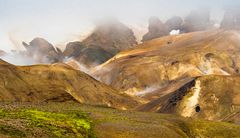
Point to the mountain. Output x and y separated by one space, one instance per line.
73 49
56 83
174 23
156 29
112 36
209 97
87 56
156 63
107 39
196 20
42 51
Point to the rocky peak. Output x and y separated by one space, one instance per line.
155 29
42 51
108 38
174 23
73 49
112 36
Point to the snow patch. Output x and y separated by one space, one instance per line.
175 32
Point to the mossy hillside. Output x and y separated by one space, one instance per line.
108 123
129 124
53 124
211 129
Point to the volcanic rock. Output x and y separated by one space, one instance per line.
73 49
112 36
174 23
42 51
155 29
108 38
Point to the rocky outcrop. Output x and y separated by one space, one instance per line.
73 49
231 19
112 36
108 38
197 20
174 23
42 51
93 56
155 29
87 56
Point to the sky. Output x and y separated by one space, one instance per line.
61 21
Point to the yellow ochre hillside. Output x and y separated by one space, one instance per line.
57 82
156 63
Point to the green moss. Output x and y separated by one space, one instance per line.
68 120
73 124
213 129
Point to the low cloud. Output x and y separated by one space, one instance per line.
17 58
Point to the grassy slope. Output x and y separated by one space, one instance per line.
32 122
68 119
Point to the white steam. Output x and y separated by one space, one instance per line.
136 92
17 58
76 65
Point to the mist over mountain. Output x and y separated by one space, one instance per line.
59 26
108 38
111 36
120 69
